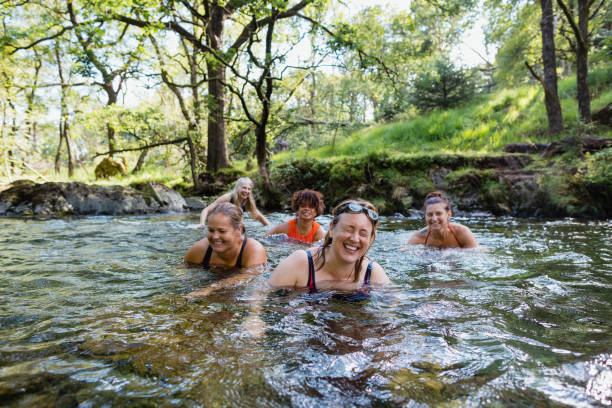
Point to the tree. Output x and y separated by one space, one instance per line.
549 62
443 86
191 110
581 46
210 18
64 124
108 53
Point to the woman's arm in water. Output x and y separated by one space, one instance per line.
225 198
379 276
278 229
291 272
465 236
253 256
259 217
320 234
418 238
195 254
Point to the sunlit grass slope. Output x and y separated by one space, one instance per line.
485 125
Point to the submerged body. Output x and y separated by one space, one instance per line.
338 263
242 196
307 205
226 246
440 232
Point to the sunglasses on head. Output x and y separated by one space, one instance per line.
358 208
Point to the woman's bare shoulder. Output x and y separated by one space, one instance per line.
196 253
290 271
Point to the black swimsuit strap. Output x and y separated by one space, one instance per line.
366 278
209 251
206 262
242 205
239 260
311 274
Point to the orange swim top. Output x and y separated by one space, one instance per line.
293 231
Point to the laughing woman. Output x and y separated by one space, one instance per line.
440 232
242 196
339 263
307 205
226 247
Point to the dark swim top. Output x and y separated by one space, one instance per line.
242 206
311 275
209 250
452 232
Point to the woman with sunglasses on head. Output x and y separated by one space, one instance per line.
307 205
242 196
440 232
339 263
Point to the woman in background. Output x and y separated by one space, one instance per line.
242 196
307 205
440 232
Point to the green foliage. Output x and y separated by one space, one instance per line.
486 125
442 86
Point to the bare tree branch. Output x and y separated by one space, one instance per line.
134 149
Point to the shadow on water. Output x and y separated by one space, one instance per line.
100 320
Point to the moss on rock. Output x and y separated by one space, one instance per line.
515 184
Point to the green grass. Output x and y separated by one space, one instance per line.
485 125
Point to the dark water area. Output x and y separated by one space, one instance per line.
92 314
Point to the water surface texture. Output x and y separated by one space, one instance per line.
92 314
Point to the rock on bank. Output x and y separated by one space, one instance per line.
51 199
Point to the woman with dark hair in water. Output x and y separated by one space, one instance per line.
307 205
440 232
226 246
338 264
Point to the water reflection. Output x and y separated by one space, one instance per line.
92 314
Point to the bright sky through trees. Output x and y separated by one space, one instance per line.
467 54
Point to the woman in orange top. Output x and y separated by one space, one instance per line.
307 204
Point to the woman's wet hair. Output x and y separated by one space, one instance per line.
328 239
233 212
309 198
250 202
436 197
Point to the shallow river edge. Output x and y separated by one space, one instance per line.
522 185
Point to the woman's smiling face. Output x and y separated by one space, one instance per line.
306 212
245 191
436 216
351 236
222 236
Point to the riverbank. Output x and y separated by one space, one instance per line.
26 198
516 184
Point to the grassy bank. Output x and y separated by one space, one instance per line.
485 125
460 152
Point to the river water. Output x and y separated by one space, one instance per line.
92 315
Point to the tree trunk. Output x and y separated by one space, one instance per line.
217 157
193 158
58 153
110 130
141 160
582 69
69 148
262 156
551 94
